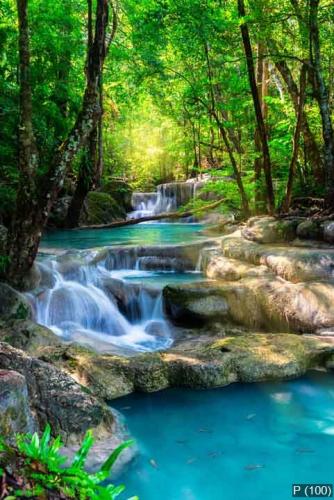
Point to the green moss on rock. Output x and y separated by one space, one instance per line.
101 208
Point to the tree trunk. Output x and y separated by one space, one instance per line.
238 178
84 182
257 107
296 136
89 170
98 171
260 196
26 203
166 215
311 146
321 93
34 202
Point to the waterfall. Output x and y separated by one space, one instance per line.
168 198
143 204
88 300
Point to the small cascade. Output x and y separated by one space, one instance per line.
143 205
92 303
168 198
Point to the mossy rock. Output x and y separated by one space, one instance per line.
120 191
197 362
13 305
101 208
270 230
309 230
28 336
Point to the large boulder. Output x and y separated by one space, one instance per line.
270 230
15 413
120 190
13 305
55 397
101 208
198 361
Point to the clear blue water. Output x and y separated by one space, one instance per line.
140 234
242 442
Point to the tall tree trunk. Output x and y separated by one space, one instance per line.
323 102
88 169
296 136
311 147
26 230
85 180
98 171
26 202
257 107
261 78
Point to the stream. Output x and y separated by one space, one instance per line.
110 296
243 441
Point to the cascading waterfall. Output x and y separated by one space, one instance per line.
92 303
167 198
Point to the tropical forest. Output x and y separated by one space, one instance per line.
166 249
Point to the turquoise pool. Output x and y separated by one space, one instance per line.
242 442
140 234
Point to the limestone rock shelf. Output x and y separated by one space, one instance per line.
198 361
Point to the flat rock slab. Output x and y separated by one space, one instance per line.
294 264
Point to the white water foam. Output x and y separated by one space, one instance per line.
93 305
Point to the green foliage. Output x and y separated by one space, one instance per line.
4 261
43 468
172 64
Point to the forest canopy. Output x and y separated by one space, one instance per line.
152 91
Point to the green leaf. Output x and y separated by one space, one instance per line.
115 454
80 457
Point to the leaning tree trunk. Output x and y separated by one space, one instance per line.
257 107
323 102
35 200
